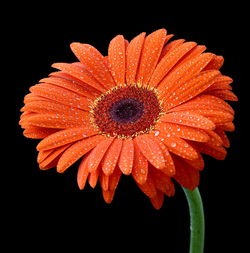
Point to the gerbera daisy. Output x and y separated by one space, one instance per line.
148 109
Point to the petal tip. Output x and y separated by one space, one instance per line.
74 45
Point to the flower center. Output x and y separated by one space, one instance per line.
126 111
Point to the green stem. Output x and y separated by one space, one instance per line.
197 223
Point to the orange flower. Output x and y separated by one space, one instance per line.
148 109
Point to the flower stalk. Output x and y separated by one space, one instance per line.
197 222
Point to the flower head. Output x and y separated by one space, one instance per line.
149 109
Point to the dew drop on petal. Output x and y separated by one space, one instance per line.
157 133
173 144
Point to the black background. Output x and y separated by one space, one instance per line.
44 206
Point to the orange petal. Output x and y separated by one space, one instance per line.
108 196
94 63
104 181
62 76
24 120
106 61
224 79
216 63
183 72
221 83
45 153
93 176
169 169
186 175
26 115
217 116
214 138
164 49
31 97
217 152
157 200
171 46
126 158
163 182
219 86
140 168
204 102
223 94
52 156
38 132
178 146
83 173
48 106
148 187
133 56
97 153
229 126
150 54
196 51
70 85
114 179
188 119
63 137
80 73
111 157
56 121
76 151
168 62
61 95
52 164
151 150
191 88
126 44
185 132
223 136
196 163
117 59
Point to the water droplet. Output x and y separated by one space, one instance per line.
143 171
173 144
168 135
157 133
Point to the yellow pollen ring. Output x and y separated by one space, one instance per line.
121 136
